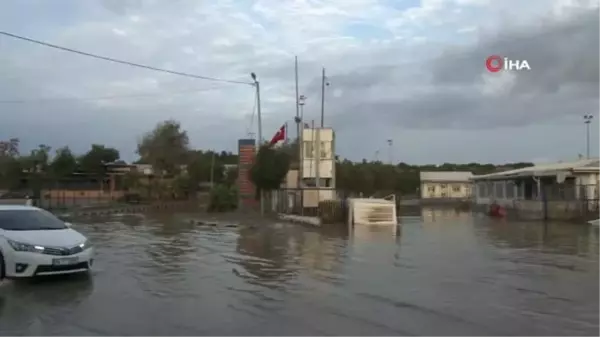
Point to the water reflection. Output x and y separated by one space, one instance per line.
26 305
440 273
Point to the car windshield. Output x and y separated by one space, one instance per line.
29 220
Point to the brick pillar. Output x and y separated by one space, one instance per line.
247 152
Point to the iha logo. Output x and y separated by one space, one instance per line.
496 63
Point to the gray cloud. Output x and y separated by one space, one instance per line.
380 87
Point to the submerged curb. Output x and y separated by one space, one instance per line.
133 209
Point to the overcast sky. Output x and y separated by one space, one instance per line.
411 71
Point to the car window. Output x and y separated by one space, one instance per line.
29 220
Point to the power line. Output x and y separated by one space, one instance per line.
43 100
123 62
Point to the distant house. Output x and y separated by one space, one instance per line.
445 185
557 190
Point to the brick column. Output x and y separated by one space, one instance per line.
246 155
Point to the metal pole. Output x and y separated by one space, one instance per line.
259 115
259 142
587 139
212 171
323 98
587 120
298 120
390 143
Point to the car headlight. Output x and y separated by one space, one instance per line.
25 247
87 244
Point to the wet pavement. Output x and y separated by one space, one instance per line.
442 273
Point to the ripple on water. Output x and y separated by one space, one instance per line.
444 274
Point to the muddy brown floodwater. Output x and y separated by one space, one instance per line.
442 273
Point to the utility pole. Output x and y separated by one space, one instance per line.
258 112
301 103
259 141
390 144
298 120
212 171
587 120
323 98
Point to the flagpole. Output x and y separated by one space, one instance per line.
323 98
299 130
312 146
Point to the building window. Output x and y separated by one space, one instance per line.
510 189
499 186
325 153
431 189
481 189
444 186
444 195
456 188
308 150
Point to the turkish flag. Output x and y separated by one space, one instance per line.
279 136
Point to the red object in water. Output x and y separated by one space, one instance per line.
497 211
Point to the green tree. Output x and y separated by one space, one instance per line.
93 161
200 164
63 164
231 175
269 169
165 148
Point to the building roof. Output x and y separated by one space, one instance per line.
455 176
585 165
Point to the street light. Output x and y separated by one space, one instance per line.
587 120
258 113
390 144
259 143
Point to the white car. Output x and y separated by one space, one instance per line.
33 242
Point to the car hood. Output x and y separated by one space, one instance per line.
51 238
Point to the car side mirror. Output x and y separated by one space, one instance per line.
68 224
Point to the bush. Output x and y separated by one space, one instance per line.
223 199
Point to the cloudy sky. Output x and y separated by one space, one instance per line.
412 71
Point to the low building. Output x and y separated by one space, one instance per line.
317 166
445 185
563 190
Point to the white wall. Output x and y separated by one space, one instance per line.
318 141
504 192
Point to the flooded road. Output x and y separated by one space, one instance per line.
442 273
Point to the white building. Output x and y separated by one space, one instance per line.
447 185
562 185
317 167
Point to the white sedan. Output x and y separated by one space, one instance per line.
33 242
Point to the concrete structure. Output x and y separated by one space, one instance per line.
317 166
371 212
561 190
446 185
247 152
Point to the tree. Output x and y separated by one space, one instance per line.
63 164
93 161
200 165
9 148
231 175
269 169
165 147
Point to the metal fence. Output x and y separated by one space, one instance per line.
305 201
